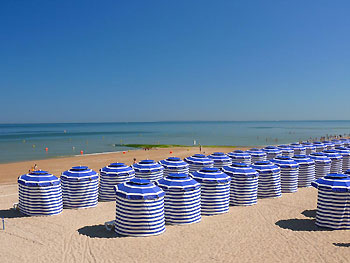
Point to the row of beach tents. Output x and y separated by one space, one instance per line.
150 194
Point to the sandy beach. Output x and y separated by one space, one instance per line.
274 230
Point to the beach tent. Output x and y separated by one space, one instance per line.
139 208
269 183
337 143
289 173
345 141
272 152
199 161
306 170
148 169
79 187
182 201
333 202
298 148
244 184
309 147
336 160
345 153
329 145
220 159
111 175
320 147
215 190
322 164
286 150
174 165
239 156
39 194
257 155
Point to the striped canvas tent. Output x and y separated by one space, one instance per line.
345 153
298 148
306 170
272 152
289 173
174 165
199 161
244 184
139 208
79 187
337 143
220 159
309 147
215 190
182 203
257 155
148 169
345 141
320 147
286 150
329 145
333 202
269 183
39 194
322 164
239 156
336 160
111 175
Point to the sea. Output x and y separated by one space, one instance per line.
20 142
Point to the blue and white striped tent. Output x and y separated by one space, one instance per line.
148 169
257 155
320 147
239 156
272 152
269 183
289 173
309 147
322 164
79 187
333 209
182 203
345 152
111 175
345 141
174 165
298 148
306 170
215 190
39 194
139 208
329 145
337 143
220 159
336 160
286 150
244 184
199 161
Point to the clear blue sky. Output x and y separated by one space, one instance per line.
88 61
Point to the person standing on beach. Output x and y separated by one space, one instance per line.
200 148
134 160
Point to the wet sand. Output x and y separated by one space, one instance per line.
274 230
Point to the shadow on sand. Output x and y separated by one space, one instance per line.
97 231
342 244
309 213
11 213
300 225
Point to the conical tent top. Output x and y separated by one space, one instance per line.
138 189
333 182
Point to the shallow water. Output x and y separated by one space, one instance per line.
20 142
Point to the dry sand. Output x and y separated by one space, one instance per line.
274 230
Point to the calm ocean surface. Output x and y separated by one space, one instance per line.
20 142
